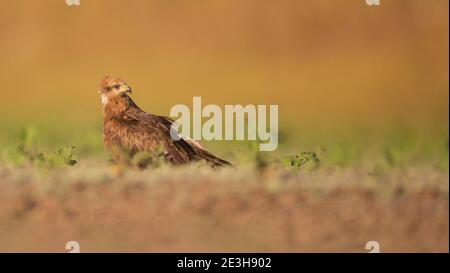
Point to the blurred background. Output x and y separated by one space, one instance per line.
344 74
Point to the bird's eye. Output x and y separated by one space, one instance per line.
116 86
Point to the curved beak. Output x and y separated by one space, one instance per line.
125 89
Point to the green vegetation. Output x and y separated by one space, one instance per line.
48 147
27 152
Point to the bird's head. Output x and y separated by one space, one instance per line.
113 88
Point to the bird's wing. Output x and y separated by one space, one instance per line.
193 145
149 134
179 151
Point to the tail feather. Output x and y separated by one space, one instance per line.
193 148
204 154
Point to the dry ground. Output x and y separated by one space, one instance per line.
336 210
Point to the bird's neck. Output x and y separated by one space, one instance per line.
113 107
116 106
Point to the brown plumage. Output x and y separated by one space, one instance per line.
127 128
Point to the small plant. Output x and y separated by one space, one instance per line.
297 161
143 160
27 152
140 160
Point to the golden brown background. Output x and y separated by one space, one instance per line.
321 61
364 87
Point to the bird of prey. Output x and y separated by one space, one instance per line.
128 128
